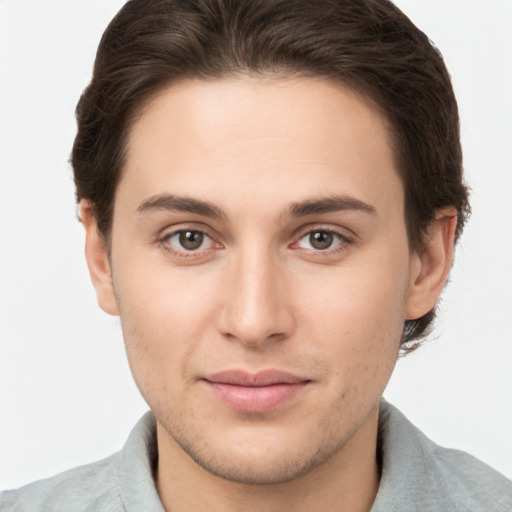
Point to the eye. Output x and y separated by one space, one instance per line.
188 240
320 240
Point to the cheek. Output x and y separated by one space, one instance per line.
165 316
162 299
356 316
363 298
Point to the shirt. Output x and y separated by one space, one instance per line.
417 475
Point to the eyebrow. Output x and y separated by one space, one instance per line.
171 203
329 204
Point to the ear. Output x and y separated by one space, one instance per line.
96 254
430 268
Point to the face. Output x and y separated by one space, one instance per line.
261 270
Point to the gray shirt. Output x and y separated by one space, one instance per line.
417 475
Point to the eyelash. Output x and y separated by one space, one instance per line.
344 242
164 242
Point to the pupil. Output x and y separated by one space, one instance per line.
321 239
191 240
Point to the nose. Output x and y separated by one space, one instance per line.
256 307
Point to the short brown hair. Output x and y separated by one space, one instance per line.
368 45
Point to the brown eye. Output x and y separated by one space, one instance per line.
321 240
190 240
189 243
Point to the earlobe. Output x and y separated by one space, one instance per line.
430 269
96 254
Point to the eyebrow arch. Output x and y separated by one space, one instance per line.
329 204
171 203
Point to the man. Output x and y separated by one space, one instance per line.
271 193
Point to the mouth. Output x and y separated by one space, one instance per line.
255 392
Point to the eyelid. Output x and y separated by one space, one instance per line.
347 236
344 232
170 231
186 226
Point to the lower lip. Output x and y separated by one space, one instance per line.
255 399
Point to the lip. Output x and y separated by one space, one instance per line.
255 392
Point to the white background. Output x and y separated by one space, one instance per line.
66 395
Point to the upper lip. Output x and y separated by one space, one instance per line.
261 378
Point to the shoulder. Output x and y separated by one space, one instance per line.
121 482
420 475
83 489
470 483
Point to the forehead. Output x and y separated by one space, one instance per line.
279 140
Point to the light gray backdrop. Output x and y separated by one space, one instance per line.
66 394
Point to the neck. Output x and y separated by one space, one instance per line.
348 481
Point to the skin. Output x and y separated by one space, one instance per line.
258 294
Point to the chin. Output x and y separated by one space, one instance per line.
259 457
258 470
